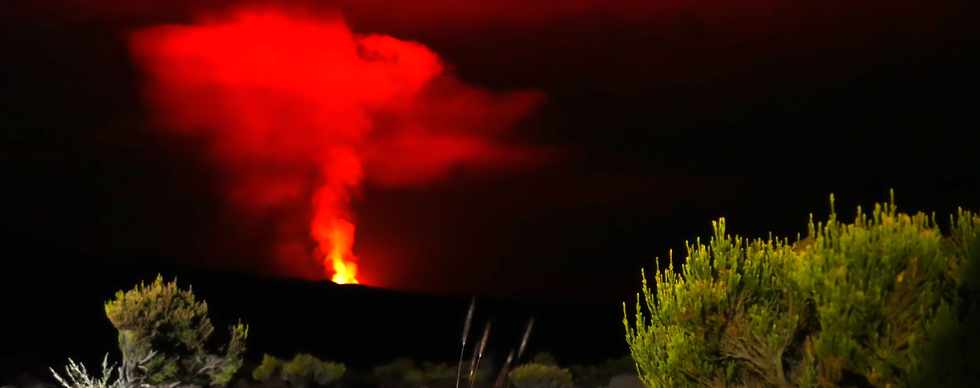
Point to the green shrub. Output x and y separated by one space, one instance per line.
600 374
431 375
163 333
302 371
406 373
394 373
268 369
860 304
305 369
540 376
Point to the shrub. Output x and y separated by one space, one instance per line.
600 374
268 369
860 304
305 369
406 373
431 375
163 333
394 373
540 376
302 371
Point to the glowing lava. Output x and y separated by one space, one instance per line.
299 113
341 256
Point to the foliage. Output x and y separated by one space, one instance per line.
269 367
950 359
393 373
860 304
431 375
406 373
163 336
302 371
540 376
600 374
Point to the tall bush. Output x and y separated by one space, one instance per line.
164 334
866 303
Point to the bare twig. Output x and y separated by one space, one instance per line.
76 376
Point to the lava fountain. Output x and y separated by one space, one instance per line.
299 112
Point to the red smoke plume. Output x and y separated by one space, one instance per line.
299 109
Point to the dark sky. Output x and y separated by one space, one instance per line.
666 116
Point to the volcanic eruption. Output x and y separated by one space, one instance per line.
298 109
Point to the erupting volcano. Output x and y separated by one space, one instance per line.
299 112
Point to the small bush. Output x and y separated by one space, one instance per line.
432 375
394 374
163 336
268 369
600 374
302 371
406 373
860 304
540 376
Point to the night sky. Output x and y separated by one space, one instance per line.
657 119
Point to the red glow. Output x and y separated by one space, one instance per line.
298 108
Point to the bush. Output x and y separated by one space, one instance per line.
861 304
406 373
302 371
600 374
268 369
163 333
432 375
540 376
393 374
305 369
